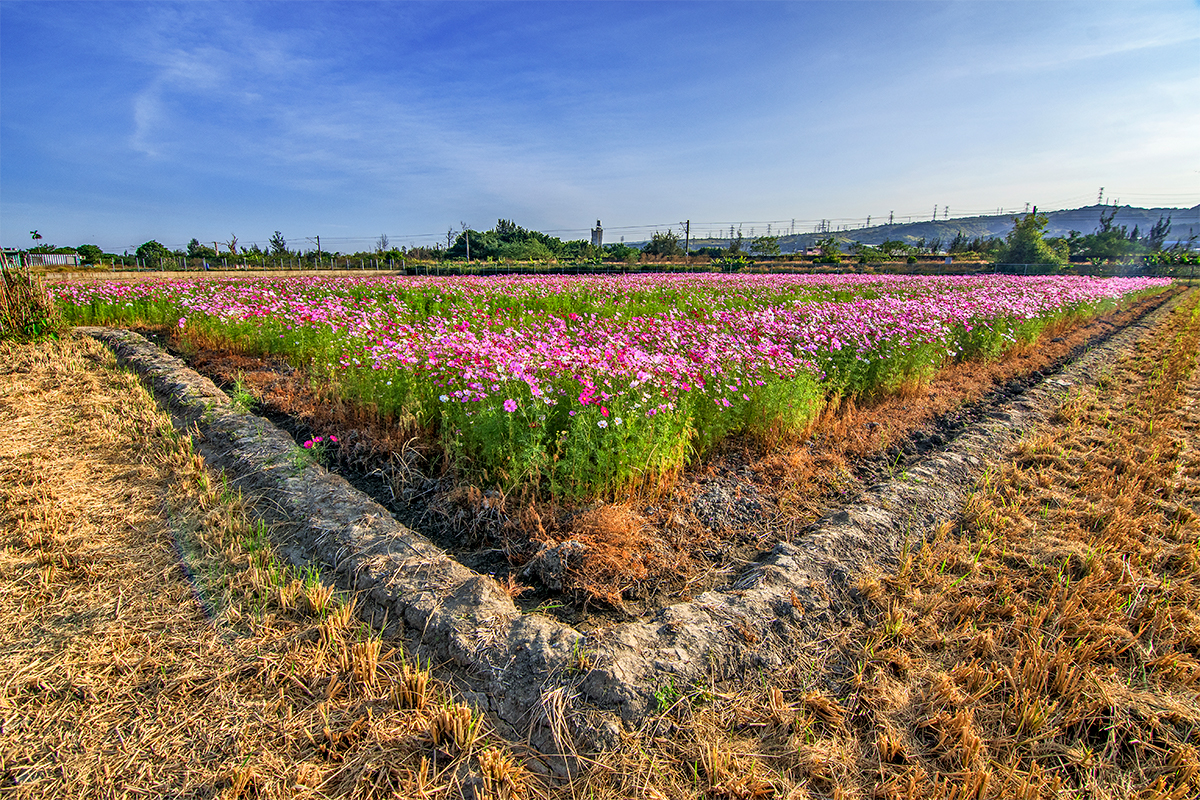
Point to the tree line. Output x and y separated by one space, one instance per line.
1026 244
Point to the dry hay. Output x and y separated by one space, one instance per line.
1045 646
152 644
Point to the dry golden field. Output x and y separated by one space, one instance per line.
1046 644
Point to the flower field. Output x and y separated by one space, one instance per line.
588 386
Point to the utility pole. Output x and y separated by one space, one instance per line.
946 214
1100 197
868 220
935 212
317 239
891 216
687 237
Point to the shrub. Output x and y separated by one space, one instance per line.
26 311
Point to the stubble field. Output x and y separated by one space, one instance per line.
1043 640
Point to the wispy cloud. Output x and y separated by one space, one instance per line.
409 117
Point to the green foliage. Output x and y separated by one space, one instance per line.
766 246
663 243
894 247
242 399
965 245
621 252
197 250
509 241
731 263
1112 243
89 253
868 254
279 245
26 312
152 251
831 250
1025 245
1158 234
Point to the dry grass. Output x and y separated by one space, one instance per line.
618 553
1045 646
153 646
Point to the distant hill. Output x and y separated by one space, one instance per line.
1184 222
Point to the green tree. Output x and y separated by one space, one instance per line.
1025 243
1110 242
278 245
89 253
961 243
507 240
867 254
197 250
1158 234
620 252
150 252
894 247
663 244
765 246
831 250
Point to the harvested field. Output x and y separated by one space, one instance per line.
1045 642
153 644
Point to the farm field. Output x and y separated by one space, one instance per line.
1043 645
713 414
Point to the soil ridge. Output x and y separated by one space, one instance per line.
565 689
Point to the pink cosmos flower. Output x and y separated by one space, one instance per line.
510 405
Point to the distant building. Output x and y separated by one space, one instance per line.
42 259
52 259
597 235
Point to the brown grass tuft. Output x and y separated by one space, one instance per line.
617 552
154 645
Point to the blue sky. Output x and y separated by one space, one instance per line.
121 122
